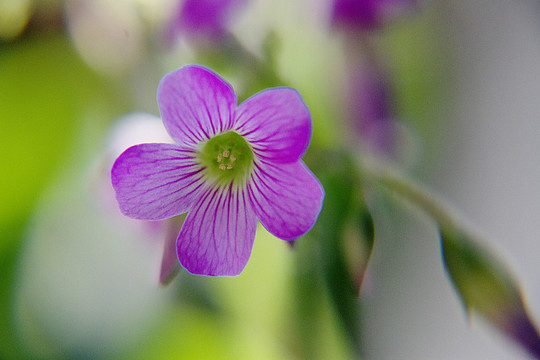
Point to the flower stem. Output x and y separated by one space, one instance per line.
480 279
395 181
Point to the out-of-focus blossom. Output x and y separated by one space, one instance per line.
230 166
367 14
203 19
371 114
371 111
370 102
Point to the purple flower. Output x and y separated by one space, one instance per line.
203 18
366 14
230 166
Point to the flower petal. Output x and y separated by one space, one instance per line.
277 124
156 181
218 233
287 198
195 104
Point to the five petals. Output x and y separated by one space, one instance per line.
159 181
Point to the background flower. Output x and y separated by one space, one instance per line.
367 14
202 20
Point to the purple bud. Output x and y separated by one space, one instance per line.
487 287
203 19
371 110
520 328
367 14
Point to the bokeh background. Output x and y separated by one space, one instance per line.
78 78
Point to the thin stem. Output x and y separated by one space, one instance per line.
406 187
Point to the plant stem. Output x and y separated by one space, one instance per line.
406 187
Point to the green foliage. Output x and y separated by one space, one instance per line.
44 89
486 287
481 281
345 235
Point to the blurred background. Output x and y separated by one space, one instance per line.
447 91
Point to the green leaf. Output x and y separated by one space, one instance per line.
345 235
43 88
482 281
486 287
360 242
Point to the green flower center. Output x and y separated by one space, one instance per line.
227 157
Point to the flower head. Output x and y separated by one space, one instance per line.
230 166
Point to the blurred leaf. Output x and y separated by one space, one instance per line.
44 89
308 300
358 240
486 287
483 283
419 68
186 334
10 346
315 331
340 187
345 235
